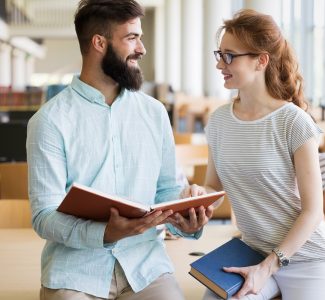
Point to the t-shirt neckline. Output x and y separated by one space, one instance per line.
260 119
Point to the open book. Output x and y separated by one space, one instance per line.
87 203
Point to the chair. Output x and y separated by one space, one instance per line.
199 174
13 180
181 110
194 108
15 213
190 155
182 138
224 210
197 111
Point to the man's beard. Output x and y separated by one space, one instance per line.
127 77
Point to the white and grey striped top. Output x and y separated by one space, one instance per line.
322 167
254 161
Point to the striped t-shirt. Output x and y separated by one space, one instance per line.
322 167
254 161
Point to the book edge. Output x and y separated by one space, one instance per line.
184 200
110 197
209 283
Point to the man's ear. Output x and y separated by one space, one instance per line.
263 60
99 43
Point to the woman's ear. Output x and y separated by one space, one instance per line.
99 43
263 60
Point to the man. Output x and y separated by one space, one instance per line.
101 132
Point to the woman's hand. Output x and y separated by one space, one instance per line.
197 218
192 191
195 221
255 276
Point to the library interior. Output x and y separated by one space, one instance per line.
40 56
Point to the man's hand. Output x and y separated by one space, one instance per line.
119 227
194 222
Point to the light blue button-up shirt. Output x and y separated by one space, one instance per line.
125 149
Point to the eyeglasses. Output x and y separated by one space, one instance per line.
228 57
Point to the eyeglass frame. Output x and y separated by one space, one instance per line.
218 53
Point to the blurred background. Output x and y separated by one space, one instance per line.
39 54
38 45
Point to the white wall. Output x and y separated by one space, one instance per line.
147 63
62 56
4 32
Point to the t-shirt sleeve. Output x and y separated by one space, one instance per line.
207 130
303 128
211 127
322 167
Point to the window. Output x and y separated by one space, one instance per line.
318 60
304 27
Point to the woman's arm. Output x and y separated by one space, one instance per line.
212 184
310 188
212 181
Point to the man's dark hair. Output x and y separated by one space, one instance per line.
97 17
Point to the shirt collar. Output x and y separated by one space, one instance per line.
90 93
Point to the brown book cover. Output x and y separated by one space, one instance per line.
87 203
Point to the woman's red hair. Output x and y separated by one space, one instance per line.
260 34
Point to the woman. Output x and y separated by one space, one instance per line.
263 153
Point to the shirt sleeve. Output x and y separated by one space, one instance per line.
167 186
176 231
47 188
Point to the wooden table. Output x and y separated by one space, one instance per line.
20 253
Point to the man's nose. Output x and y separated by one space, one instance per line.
140 48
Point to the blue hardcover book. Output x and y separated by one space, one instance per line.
208 269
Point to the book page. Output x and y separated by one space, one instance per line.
183 205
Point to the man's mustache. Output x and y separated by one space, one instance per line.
135 56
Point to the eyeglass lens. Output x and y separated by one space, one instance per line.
226 57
